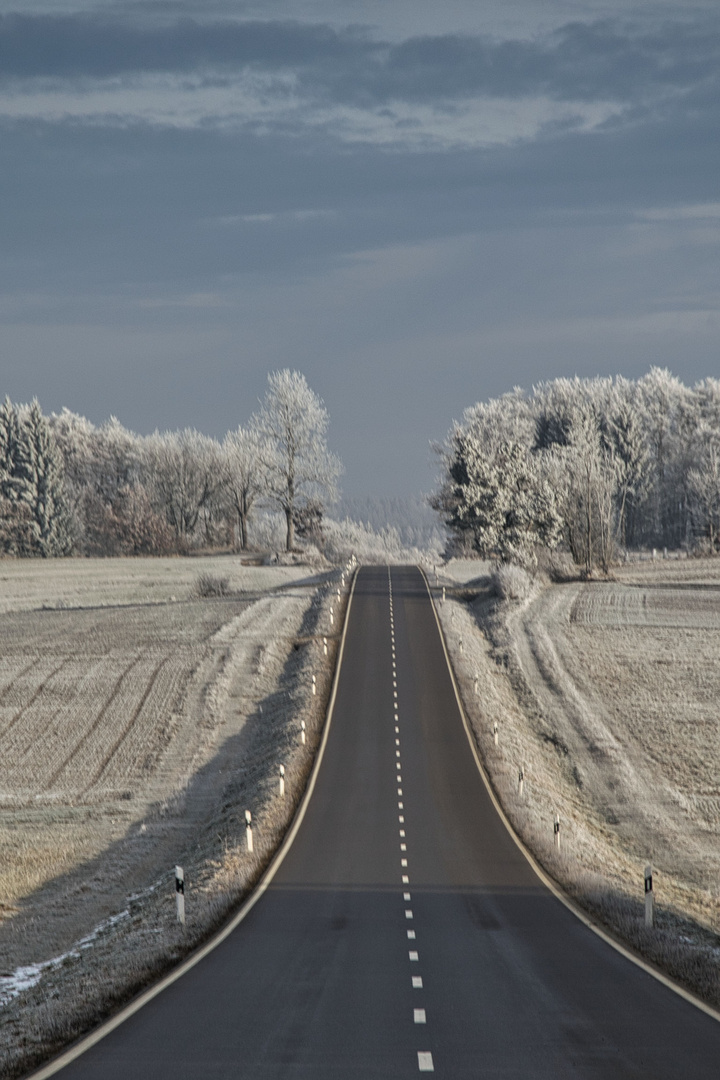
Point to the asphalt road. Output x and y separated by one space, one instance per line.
404 931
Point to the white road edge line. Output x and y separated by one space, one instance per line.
546 880
134 1006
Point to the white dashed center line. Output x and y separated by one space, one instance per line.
424 1057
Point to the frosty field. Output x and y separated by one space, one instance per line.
606 693
137 723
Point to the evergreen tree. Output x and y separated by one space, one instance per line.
40 486
9 443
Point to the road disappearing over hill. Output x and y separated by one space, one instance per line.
404 931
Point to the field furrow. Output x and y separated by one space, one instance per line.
13 668
22 695
134 752
90 756
76 725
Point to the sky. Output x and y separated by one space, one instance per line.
417 205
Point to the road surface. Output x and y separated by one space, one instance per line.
405 932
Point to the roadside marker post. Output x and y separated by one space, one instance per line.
325 646
443 594
302 732
282 781
332 617
180 894
495 732
521 781
649 899
556 830
314 686
248 830
461 645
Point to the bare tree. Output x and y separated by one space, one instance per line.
244 478
299 467
183 471
704 486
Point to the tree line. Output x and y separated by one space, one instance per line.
67 486
590 465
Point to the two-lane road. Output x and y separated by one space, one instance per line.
404 931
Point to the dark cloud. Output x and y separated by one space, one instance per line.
579 61
104 205
86 45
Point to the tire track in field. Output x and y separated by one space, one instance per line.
104 764
44 738
94 726
29 704
18 675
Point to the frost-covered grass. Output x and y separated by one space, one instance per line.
27 584
606 694
462 571
106 782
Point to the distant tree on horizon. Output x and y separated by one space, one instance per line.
300 469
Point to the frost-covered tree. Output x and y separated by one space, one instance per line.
704 489
183 470
627 444
660 397
244 478
499 499
40 485
589 493
15 517
9 444
293 424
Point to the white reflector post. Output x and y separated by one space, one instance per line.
649 900
180 893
